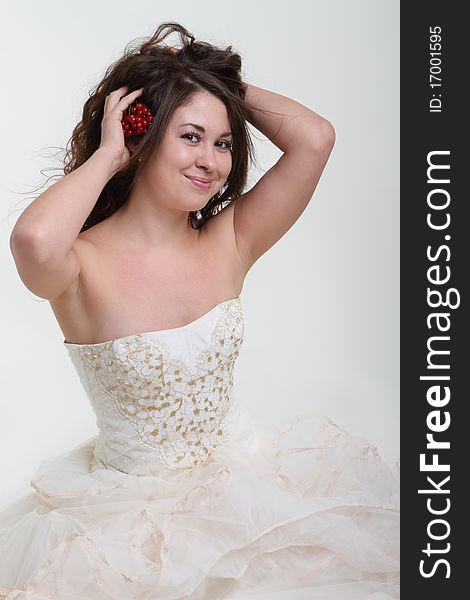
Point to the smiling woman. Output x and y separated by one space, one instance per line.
203 158
142 250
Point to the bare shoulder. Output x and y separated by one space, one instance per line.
220 232
75 308
86 251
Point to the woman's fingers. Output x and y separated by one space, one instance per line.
114 95
131 97
119 98
112 134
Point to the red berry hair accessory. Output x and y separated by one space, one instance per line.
137 120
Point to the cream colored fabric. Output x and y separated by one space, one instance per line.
181 495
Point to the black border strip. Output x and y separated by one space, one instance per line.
434 270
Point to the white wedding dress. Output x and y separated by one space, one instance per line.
180 495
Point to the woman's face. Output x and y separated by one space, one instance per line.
194 159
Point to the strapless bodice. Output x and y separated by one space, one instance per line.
162 398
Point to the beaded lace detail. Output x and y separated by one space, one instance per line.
176 409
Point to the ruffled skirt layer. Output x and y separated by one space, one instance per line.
309 512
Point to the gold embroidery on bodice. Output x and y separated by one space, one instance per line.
176 408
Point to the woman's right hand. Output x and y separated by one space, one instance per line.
112 134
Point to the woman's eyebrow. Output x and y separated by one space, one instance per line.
201 128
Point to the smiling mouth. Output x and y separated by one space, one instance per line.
202 185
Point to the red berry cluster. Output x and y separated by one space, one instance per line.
137 121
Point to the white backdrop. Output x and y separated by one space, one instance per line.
321 307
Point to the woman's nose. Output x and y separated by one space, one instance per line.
206 157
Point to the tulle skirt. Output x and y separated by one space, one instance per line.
306 512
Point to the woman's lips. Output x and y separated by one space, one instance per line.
202 185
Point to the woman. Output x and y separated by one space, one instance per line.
142 249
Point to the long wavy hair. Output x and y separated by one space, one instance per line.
169 76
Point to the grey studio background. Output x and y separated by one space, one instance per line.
321 307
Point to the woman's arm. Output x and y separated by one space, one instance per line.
44 239
265 213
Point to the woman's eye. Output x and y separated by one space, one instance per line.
224 144
191 135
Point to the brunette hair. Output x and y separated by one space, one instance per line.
169 78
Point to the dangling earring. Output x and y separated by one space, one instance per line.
198 215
